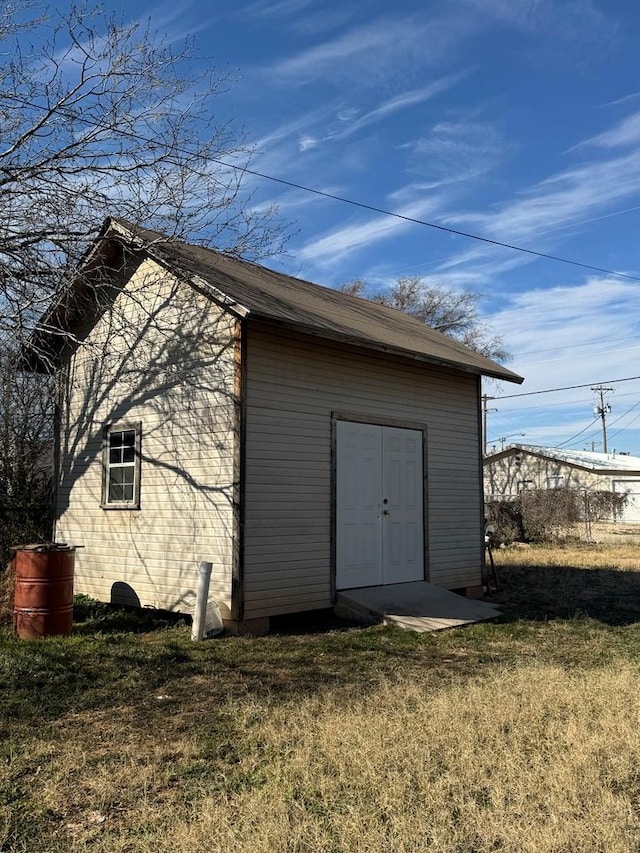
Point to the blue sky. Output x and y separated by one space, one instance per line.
518 120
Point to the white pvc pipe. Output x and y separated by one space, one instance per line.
200 610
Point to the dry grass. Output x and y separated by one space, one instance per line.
517 736
535 759
600 581
615 556
530 761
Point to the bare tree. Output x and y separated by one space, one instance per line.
99 118
26 455
453 312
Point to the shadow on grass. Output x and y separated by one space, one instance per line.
97 617
119 656
141 663
608 595
311 622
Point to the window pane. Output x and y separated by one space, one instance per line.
116 475
128 454
116 492
115 439
129 438
127 491
114 455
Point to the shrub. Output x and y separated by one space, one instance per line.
505 517
548 515
606 506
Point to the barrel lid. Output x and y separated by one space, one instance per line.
41 547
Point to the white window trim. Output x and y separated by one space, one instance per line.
106 465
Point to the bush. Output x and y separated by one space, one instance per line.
606 506
7 583
505 517
20 525
549 515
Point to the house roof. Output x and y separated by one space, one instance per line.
258 292
589 460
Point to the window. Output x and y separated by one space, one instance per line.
556 482
121 467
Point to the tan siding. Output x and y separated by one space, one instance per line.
293 385
163 356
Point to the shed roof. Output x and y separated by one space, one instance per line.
258 292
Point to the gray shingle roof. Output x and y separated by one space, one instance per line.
317 310
260 293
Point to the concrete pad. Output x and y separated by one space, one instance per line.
418 606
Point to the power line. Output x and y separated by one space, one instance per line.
623 415
565 388
574 404
588 426
587 344
622 429
427 224
343 199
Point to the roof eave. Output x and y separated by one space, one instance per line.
514 449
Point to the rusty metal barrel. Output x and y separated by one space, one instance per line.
43 598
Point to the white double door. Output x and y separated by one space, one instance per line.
379 505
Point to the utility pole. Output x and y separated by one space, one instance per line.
602 411
485 411
503 438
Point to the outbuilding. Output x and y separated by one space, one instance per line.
300 439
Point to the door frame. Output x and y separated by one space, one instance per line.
375 420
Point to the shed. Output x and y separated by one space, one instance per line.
302 440
519 467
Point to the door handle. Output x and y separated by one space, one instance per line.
386 512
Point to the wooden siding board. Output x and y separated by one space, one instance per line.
164 356
293 385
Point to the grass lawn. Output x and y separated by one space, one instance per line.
520 735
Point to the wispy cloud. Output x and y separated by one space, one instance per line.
625 133
559 338
573 21
291 129
383 45
557 203
632 96
306 141
269 8
176 21
400 102
553 325
457 150
335 244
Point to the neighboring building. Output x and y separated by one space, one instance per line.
519 467
300 439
